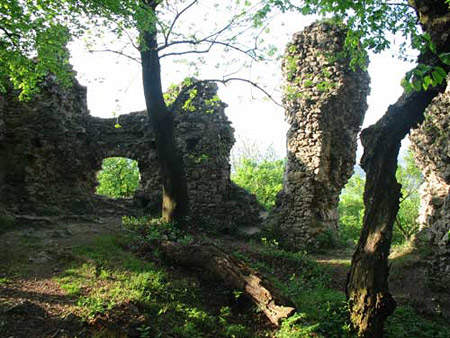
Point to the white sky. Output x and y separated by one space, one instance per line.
115 86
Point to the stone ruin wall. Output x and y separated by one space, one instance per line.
431 146
205 138
51 150
45 157
326 103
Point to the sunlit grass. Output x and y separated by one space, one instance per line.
171 307
175 305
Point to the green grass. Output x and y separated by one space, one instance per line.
406 323
170 306
173 303
322 311
107 278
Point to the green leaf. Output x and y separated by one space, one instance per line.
441 71
427 82
433 47
439 75
417 85
445 58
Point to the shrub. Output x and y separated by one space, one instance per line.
264 179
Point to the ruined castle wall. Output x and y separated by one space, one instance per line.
130 136
431 146
325 105
45 158
205 137
51 150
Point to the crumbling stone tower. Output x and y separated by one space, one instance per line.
325 105
431 145
205 137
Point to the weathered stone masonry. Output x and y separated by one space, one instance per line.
326 103
46 162
51 150
205 137
431 145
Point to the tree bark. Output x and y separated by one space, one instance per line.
233 272
367 287
175 196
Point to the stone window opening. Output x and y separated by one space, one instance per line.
118 178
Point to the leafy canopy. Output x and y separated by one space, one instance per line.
370 23
264 179
34 35
32 39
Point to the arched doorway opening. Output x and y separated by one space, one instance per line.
118 178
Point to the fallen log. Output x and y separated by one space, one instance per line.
233 272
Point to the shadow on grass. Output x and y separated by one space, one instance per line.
111 291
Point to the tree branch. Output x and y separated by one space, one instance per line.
129 37
166 37
10 36
211 44
115 52
400 227
214 35
187 52
224 82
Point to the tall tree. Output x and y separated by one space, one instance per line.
367 288
175 196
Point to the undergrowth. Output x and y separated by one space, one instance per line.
176 303
168 305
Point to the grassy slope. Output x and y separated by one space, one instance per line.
112 289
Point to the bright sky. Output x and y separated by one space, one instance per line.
115 86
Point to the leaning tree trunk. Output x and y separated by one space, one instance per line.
175 196
367 288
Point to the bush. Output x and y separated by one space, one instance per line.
264 179
351 209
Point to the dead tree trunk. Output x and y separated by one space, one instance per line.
367 287
233 272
